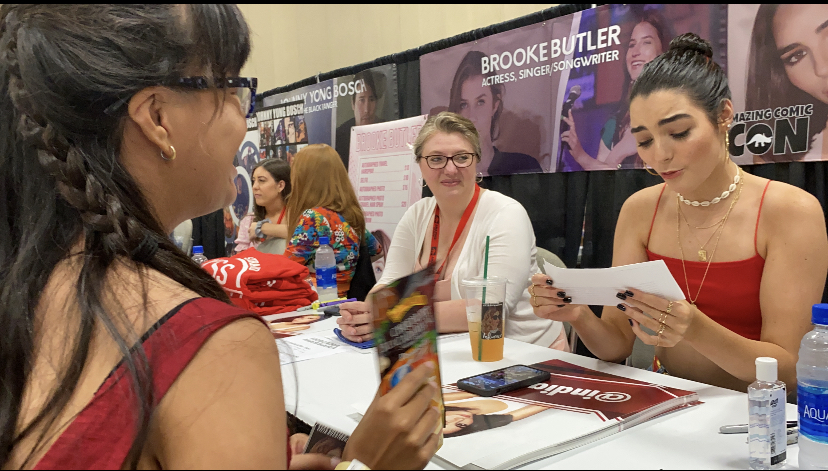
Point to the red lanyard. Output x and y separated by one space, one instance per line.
279 221
435 233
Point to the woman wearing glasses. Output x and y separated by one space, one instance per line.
448 151
118 351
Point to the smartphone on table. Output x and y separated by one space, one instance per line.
503 380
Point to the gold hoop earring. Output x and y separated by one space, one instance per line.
648 169
172 151
727 144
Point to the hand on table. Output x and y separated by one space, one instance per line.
355 321
671 320
549 302
397 431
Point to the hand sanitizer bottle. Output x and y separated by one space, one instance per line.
766 403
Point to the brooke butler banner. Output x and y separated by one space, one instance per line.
551 97
385 177
777 74
333 107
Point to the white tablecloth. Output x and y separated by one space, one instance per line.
328 388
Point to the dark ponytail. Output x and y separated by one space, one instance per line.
687 66
65 73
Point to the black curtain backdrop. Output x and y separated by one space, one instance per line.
561 205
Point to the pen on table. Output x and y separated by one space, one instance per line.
743 428
317 304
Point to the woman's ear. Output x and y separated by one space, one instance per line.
281 185
726 114
146 109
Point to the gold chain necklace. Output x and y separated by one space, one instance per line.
702 252
702 227
720 230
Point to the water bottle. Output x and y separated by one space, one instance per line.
198 255
325 265
812 392
767 440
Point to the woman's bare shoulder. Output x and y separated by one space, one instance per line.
146 295
640 207
784 202
644 199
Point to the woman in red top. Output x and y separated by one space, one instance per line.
118 123
750 255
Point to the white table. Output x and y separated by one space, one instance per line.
329 387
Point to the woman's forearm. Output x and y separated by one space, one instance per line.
451 316
275 230
736 354
588 162
601 337
527 411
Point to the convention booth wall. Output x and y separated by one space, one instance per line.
560 62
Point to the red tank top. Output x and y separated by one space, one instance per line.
730 294
101 435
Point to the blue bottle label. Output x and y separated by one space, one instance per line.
326 277
813 412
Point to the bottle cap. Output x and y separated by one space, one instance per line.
819 314
766 369
324 240
198 249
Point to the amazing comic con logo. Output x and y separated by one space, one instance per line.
781 130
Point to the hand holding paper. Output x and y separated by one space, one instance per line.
598 286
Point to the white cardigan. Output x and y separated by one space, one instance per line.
511 255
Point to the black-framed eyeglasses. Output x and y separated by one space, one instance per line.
245 89
462 160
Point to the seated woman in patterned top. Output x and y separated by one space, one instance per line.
323 204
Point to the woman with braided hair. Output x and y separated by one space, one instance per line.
117 351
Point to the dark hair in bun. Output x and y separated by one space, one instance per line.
692 43
688 65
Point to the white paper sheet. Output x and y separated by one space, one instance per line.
599 286
306 347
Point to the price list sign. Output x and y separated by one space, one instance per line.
382 170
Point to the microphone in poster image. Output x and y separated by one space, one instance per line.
574 93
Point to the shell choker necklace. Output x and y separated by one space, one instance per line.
715 200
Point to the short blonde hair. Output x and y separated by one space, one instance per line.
449 123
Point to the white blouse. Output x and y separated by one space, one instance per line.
511 255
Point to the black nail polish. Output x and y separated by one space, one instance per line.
561 305
622 307
561 294
621 296
550 282
630 321
628 293
568 299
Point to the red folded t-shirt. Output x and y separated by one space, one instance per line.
261 282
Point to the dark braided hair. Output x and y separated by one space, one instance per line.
65 73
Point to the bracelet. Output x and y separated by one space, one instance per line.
259 224
355 464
